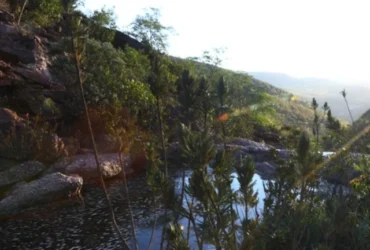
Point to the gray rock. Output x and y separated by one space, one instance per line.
41 191
258 154
22 172
251 145
266 170
85 165
59 166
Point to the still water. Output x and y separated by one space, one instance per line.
85 224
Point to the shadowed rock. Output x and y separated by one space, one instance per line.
49 188
121 40
85 166
22 172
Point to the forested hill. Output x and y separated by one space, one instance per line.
323 90
121 70
284 107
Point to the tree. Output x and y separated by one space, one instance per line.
148 29
69 6
187 97
344 94
102 25
161 83
332 123
223 109
316 122
39 12
205 103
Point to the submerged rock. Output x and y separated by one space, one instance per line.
49 188
22 172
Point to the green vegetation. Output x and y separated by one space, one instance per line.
148 99
37 12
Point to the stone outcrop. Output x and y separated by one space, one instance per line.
22 172
47 189
26 80
268 159
266 170
121 40
259 152
85 166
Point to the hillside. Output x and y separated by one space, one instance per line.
324 91
118 145
361 125
287 109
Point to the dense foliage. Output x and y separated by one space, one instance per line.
150 97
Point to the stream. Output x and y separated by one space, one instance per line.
86 223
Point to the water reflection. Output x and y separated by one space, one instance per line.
86 225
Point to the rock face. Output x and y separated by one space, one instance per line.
22 172
266 170
47 189
259 152
121 40
85 166
26 81
251 145
27 86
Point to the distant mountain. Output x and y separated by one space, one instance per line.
323 90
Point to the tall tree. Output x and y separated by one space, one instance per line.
187 97
148 28
205 101
344 94
316 122
69 6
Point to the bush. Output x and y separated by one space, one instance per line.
35 141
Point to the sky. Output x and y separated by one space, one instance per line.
302 38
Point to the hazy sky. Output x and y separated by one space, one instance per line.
303 38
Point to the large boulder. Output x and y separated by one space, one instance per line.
85 166
241 147
47 189
22 172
